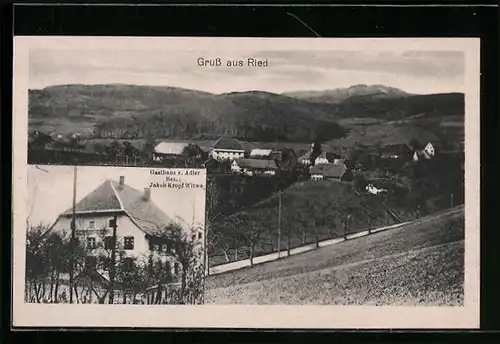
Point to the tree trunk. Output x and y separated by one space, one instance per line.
76 292
226 256
56 291
288 244
183 284
124 297
317 240
158 294
303 237
51 292
252 251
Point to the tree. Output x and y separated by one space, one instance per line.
47 259
187 250
250 229
316 150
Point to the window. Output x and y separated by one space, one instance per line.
128 263
108 243
176 268
200 235
91 224
90 262
128 243
91 243
193 237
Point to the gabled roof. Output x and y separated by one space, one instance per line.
306 156
110 197
257 163
261 152
329 170
329 156
228 143
174 148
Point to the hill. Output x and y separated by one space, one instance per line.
128 112
338 95
419 264
311 211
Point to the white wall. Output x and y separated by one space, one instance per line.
125 227
220 154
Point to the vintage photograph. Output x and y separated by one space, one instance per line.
333 174
114 235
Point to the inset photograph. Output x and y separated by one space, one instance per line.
111 235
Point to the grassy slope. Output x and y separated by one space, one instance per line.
324 201
421 263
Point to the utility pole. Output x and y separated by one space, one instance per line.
112 224
451 200
73 239
279 224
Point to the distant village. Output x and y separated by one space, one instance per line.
232 156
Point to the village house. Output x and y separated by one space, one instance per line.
253 167
174 150
373 189
426 153
138 222
227 148
328 172
396 151
259 153
305 159
328 158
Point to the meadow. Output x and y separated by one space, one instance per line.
419 264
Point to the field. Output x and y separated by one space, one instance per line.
421 263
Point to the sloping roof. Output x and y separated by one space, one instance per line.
228 143
329 170
306 156
174 148
110 197
206 149
329 156
257 163
260 152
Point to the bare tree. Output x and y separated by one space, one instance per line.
187 249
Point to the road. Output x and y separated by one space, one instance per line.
240 264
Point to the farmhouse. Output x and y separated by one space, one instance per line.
328 158
427 153
328 172
254 167
172 150
396 151
372 189
259 153
305 159
227 148
138 222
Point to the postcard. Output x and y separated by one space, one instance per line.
297 183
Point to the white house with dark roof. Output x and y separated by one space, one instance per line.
266 167
257 153
138 221
328 172
166 150
227 149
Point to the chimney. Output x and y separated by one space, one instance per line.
147 194
122 181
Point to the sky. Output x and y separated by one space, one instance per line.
50 191
417 71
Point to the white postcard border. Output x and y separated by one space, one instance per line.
51 315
